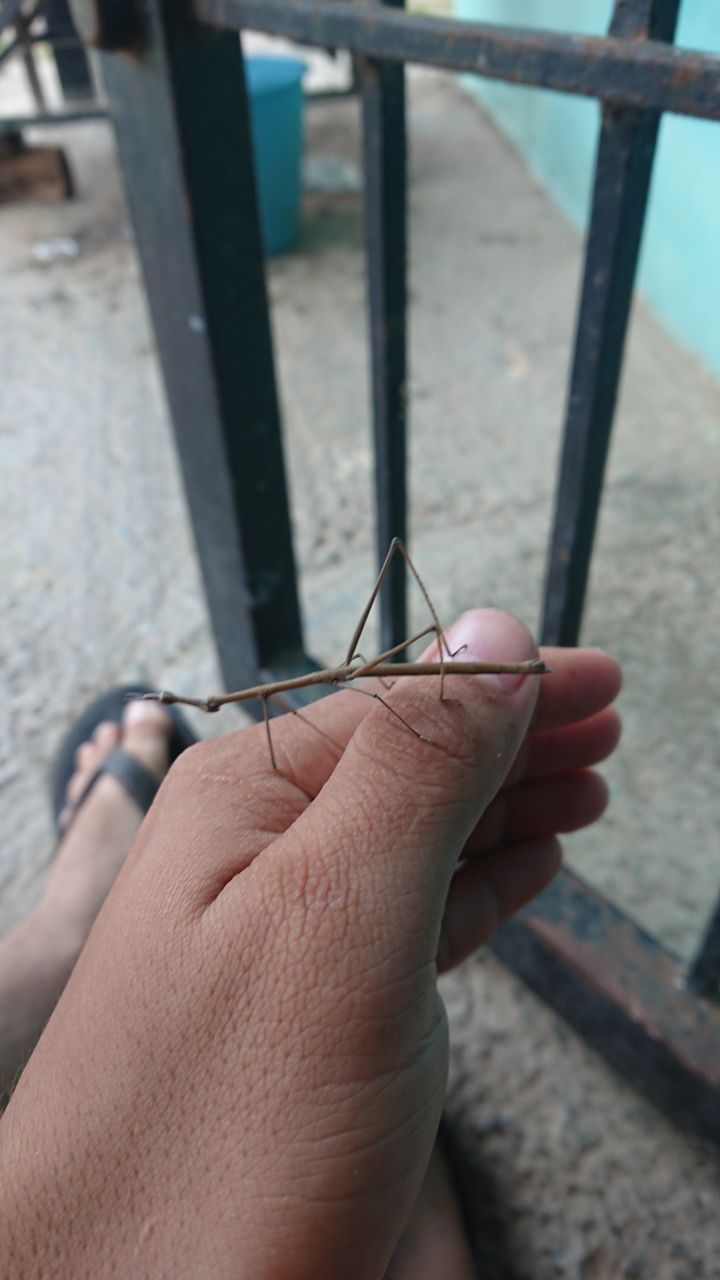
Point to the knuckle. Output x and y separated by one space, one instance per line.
219 759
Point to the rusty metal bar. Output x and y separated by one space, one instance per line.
645 20
624 994
634 73
382 90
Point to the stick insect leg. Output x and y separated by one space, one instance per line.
364 664
266 718
442 642
354 688
397 545
394 546
287 706
367 668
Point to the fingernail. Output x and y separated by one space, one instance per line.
506 681
487 635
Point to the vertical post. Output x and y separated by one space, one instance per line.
181 116
70 59
385 162
704 974
22 28
626 152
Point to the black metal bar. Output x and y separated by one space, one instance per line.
623 170
48 37
704 974
54 39
112 25
637 73
384 146
70 58
11 49
330 95
10 13
624 994
181 116
10 124
31 71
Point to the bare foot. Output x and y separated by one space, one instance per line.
37 956
100 832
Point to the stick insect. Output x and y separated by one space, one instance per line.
355 667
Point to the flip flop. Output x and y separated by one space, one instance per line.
139 782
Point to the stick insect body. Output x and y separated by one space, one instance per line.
355 667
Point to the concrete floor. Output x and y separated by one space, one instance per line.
579 1177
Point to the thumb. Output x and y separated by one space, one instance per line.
388 828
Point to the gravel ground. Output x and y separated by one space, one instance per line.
579 1178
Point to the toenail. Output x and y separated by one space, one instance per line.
149 714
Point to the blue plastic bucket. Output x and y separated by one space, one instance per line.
276 103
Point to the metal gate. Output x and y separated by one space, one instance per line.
175 86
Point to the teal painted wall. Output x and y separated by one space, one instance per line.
557 134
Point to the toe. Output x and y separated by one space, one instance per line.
88 758
146 728
144 733
106 737
64 817
149 716
84 755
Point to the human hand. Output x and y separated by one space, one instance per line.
246 1071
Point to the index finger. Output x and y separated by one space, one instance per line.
581 682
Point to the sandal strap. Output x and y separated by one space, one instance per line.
139 782
109 706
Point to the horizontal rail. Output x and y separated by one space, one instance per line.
41 119
618 988
631 73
